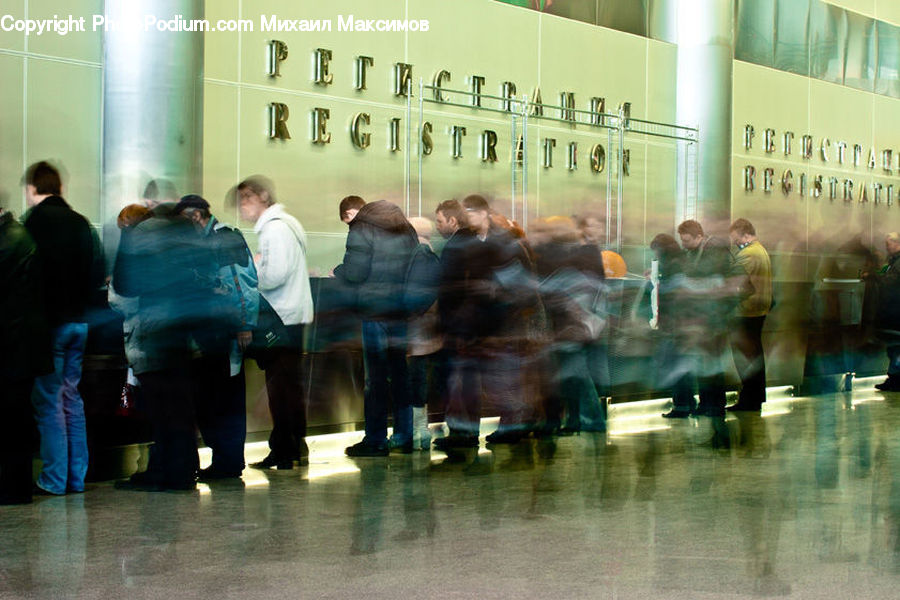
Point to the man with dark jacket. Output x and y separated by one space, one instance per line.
707 265
24 354
888 316
72 268
485 329
380 246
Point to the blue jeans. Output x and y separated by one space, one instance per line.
59 412
384 356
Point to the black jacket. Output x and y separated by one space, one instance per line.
379 247
24 334
72 264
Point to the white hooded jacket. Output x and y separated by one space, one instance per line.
283 275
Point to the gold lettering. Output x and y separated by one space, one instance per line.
278 116
323 59
320 126
359 139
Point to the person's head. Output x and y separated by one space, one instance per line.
892 243
349 207
131 215
478 213
255 195
665 247
691 234
741 232
159 191
41 180
424 228
591 227
450 216
195 208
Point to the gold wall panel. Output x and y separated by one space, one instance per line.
11 133
87 45
78 149
13 40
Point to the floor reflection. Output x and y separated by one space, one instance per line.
803 499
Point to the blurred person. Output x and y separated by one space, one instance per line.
571 282
286 305
425 343
25 353
485 353
162 264
753 276
592 228
455 306
220 392
379 249
888 311
72 268
129 217
349 207
157 192
675 314
707 265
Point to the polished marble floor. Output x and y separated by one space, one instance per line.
801 501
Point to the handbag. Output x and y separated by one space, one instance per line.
269 332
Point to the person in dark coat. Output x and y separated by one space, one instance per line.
888 312
379 249
165 265
72 268
571 277
675 314
490 284
24 354
219 384
707 265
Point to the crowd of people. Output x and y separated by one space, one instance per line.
516 319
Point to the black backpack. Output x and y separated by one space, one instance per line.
423 277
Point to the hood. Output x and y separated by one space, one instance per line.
384 215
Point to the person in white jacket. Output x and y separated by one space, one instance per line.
284 286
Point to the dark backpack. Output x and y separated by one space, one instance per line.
423 277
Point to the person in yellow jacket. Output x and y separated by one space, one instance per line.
753 274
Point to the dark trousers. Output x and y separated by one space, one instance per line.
287 397
711 372
749 360
893 352
17 430
387 380
221 411
169 400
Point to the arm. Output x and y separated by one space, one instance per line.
358 255
278 250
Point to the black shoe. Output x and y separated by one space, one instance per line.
366 449
504 437
456 441
677 413
566 431
212 473
888 386
273 461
